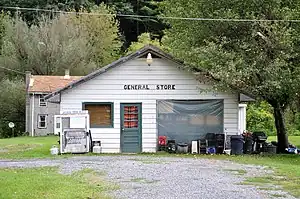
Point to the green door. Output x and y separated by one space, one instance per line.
131 131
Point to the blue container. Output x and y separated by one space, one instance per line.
211 150
237 144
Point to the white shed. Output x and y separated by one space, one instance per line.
131 103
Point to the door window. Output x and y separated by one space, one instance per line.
131 119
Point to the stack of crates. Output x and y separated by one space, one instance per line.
203 144
211 142
220 143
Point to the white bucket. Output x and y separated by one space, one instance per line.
227 151
97 149
54 150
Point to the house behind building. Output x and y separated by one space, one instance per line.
40 113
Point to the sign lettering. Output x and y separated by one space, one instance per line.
149 87
81 112
74 140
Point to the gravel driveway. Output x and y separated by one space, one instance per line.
148 177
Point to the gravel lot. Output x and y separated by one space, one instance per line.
148 177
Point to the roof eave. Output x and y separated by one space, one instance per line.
131 56
138 53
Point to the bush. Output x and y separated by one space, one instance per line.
260 118
12 107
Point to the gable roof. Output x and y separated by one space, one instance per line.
48 84
139 53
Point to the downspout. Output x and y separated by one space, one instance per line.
32 116
27 82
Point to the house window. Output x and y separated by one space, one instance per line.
42 121
42 101
101 114
57 125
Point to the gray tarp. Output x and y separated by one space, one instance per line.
184 121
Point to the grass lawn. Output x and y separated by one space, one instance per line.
295 140
286 170
27 147
46 182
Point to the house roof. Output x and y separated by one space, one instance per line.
139 53
48 84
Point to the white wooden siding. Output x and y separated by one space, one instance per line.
109 87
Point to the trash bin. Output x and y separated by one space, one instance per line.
182 148
237 144
248 145
270 148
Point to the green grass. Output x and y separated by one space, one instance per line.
46 182
295 140
286 170
27 147
278 195
39 147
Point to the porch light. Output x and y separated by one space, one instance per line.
149 59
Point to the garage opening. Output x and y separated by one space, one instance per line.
185 121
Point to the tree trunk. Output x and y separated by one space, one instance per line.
282 137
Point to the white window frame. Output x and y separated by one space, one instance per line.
39 121
43 103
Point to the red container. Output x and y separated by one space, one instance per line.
162 140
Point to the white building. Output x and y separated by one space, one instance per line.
131 103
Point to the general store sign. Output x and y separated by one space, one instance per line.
81 112
149 87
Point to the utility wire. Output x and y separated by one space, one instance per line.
50 87
13 70
154 17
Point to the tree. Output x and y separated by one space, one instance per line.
103 33
81 43
31 16
132 26
260 118
2 29
143 40
12 103
260 59
47 48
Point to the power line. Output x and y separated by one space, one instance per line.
50 87
13 70
153 17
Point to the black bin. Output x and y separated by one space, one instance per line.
237 144
248 145
182 148
269 148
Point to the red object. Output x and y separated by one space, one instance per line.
162 140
